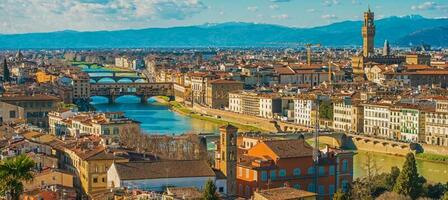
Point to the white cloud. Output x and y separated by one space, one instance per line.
48 15
429 5
311 10
282 16
252 8
274 6
329 16
330 2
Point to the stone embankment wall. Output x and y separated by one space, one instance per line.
379 145
259 122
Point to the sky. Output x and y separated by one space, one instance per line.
24 16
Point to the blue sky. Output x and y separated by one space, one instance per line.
22 16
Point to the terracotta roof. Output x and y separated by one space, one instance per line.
184 193
290 148
285 193
223 81
163 169
284 70
29 98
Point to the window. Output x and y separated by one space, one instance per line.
247 173
321 170
273 175
264 176
311 170
115 131
95 180
12 114
345 165
282 173
296 172
331 190
311 187
221 189
331 170
344 185
104 180
240 171
321 189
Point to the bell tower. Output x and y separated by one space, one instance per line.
368 34
228 156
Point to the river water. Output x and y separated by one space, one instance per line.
158 119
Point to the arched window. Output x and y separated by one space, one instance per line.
282 173
296 172
311 170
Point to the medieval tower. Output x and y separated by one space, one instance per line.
368 34
228 156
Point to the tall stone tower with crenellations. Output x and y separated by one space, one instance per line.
368 34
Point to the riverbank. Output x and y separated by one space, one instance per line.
181 109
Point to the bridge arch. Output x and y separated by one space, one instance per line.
106 80
124 80
140 80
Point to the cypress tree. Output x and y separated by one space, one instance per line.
210 191
408 182
6 75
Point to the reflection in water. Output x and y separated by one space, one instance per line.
434 172
155 119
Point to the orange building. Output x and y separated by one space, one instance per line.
278 163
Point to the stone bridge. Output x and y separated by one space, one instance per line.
116 76
142 90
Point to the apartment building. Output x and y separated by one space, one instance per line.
436 123
276 163
217 92
303 107
270 105
235 99
412 124
348 115
376 119
81 86
108 125
35 108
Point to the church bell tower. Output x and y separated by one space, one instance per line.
368 34
228 156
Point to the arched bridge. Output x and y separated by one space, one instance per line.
142 90
116 76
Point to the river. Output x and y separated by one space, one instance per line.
158 119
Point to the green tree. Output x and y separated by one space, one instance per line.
326 110
210 191
340 195
12 172
6 74
408 182
392 178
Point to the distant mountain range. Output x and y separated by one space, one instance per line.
399 31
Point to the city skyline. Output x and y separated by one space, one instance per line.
24 16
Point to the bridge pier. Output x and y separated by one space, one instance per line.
112 99
143 99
